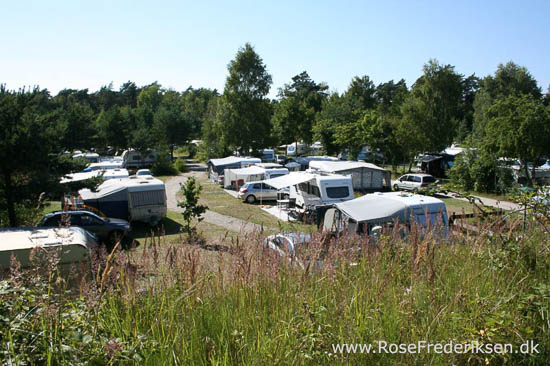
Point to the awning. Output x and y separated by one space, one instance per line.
372 208
338 166
290 179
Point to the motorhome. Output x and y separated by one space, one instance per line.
137 198
72 245
309 190
133 159
370 213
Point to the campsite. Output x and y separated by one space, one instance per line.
275 183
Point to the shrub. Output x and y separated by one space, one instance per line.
181 165
163 165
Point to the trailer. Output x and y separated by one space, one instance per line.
137 198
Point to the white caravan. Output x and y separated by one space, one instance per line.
310 190
72 245
369 213
133 159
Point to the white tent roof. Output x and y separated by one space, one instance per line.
233 160
251 170
380 206
290 179
337 166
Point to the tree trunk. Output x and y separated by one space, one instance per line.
8 192
526 168
533 173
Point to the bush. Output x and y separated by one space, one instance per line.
163 165
181 166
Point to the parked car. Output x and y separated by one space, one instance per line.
144 172
280 159
414 182
108 230
257 191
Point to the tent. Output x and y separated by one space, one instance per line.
365 176
216 167
237 177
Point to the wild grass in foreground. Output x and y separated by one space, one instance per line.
247 305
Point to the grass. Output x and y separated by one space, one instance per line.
252 307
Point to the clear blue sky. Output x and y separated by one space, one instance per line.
87 44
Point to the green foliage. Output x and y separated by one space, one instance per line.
191 208
181 165
163 165
294 115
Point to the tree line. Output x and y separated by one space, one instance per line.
501 115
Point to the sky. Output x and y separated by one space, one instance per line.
88 44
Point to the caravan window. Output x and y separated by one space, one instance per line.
136 157
309 189
337 192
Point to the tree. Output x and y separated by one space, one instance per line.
29 147
294 115
245 113
112 127
509 79
191 209
518 127
432 110
361 93
336 111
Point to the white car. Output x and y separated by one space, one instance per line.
414 182
144 172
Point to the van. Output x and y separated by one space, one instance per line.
73 245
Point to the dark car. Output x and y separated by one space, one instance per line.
108 230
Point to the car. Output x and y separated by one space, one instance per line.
144 172
280 159
108 230
258 191
414 182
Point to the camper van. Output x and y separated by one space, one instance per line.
137 198
74 245
133 159
370 213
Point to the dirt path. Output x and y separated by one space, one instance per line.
228 222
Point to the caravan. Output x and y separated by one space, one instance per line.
138 198
308 190
72 245
369 213
133 159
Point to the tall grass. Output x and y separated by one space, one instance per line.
243 304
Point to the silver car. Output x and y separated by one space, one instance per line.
414 182
257 191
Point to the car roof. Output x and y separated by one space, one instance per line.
419 174
72 212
